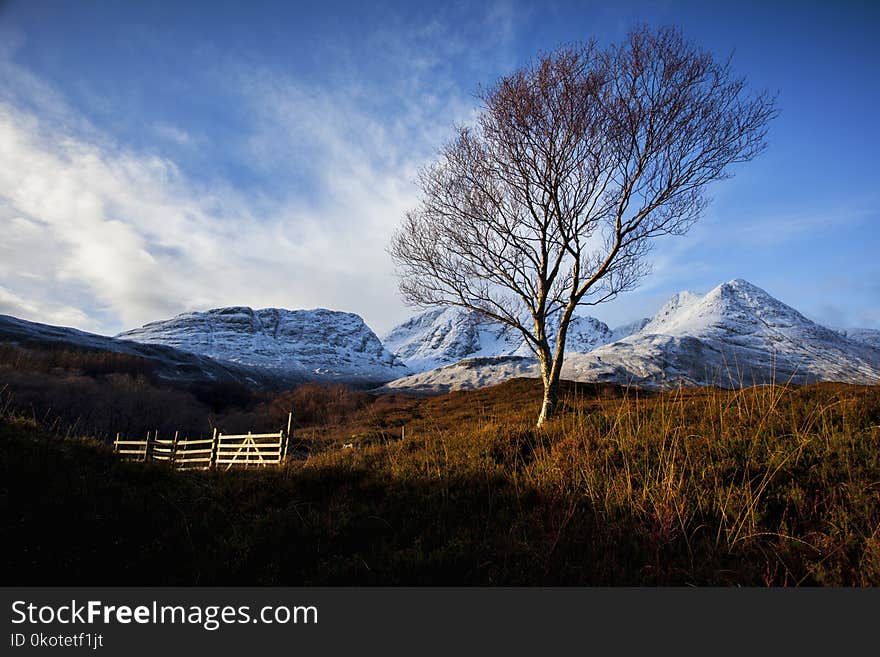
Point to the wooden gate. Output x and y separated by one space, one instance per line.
249 449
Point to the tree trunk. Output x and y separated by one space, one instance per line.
550 376
551 366
551 397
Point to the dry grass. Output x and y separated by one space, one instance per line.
770 485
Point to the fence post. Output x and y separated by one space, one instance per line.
213 462
147 448
403 432
287 437
116 443
174 449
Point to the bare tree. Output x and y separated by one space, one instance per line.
576 163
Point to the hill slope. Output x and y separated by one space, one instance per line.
658 489
170 363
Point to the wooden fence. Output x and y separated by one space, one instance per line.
220 451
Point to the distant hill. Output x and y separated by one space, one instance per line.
169 363
865 335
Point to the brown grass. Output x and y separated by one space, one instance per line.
770 485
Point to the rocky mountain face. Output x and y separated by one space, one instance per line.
293 344
735 335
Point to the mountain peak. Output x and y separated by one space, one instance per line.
318 343
736 334
743 288
671 309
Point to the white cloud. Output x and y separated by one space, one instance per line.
13 304
107 237
146 243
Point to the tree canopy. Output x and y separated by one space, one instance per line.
576 162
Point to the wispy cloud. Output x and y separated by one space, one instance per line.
105 236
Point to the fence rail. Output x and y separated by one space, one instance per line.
221 450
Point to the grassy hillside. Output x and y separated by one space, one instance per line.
765 486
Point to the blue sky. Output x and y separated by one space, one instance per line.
174 156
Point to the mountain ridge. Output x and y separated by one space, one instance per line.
317 344
443 336
736 334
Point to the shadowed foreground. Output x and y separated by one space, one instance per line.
765 486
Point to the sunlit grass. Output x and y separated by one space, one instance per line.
769 485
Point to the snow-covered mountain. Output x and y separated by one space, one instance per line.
671 312
585 333
443 336
466 374
170 364
864 335
294 344
737 334
624 330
